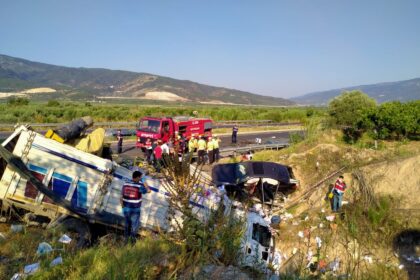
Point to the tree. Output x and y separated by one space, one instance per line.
396 119
351 109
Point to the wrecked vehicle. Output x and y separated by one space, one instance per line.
255 179
62 185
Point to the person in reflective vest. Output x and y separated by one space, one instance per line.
131 197
216 142
201 150
192 144
338 191
210 149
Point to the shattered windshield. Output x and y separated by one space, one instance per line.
261 234
149 126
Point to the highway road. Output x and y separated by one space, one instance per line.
248 138
129 150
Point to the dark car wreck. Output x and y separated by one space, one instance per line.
255 179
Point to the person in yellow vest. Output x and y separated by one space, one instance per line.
216 144
210 149
192 145
201 150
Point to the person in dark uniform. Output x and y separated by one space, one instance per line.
234 134
120 141
131 196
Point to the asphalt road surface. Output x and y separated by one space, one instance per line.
129 149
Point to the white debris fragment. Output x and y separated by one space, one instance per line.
410 258
31 268
277 260
295 223
300 234
330 218
65 239
368 259
335 265
16 228
309 255
401 266
294 251
318 242
306 218
345 202
286 216
16 276
56 261
321 225
322 210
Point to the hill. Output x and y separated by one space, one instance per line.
383 92
17 75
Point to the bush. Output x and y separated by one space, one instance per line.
53 103
18 101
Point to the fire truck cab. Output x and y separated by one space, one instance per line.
167 127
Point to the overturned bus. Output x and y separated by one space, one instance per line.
42 178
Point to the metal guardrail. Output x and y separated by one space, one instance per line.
259 147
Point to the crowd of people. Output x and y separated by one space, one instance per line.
205 149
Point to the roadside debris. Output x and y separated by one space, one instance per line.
318 242
335 265
330 218
56 261
368 259
16 276
44 248
31 268
16 228
65 239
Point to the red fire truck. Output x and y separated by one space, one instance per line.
167 127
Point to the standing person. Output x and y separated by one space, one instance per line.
338 191
120 141
201 150
131 195
149 150
210 149
234 134
157 152
192 145
216 143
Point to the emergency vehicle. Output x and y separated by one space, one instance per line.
168 127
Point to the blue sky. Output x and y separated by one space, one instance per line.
277 48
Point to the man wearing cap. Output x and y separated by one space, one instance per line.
131 196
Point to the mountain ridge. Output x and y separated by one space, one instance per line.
18 74
404 90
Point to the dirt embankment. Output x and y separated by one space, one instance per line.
399 178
